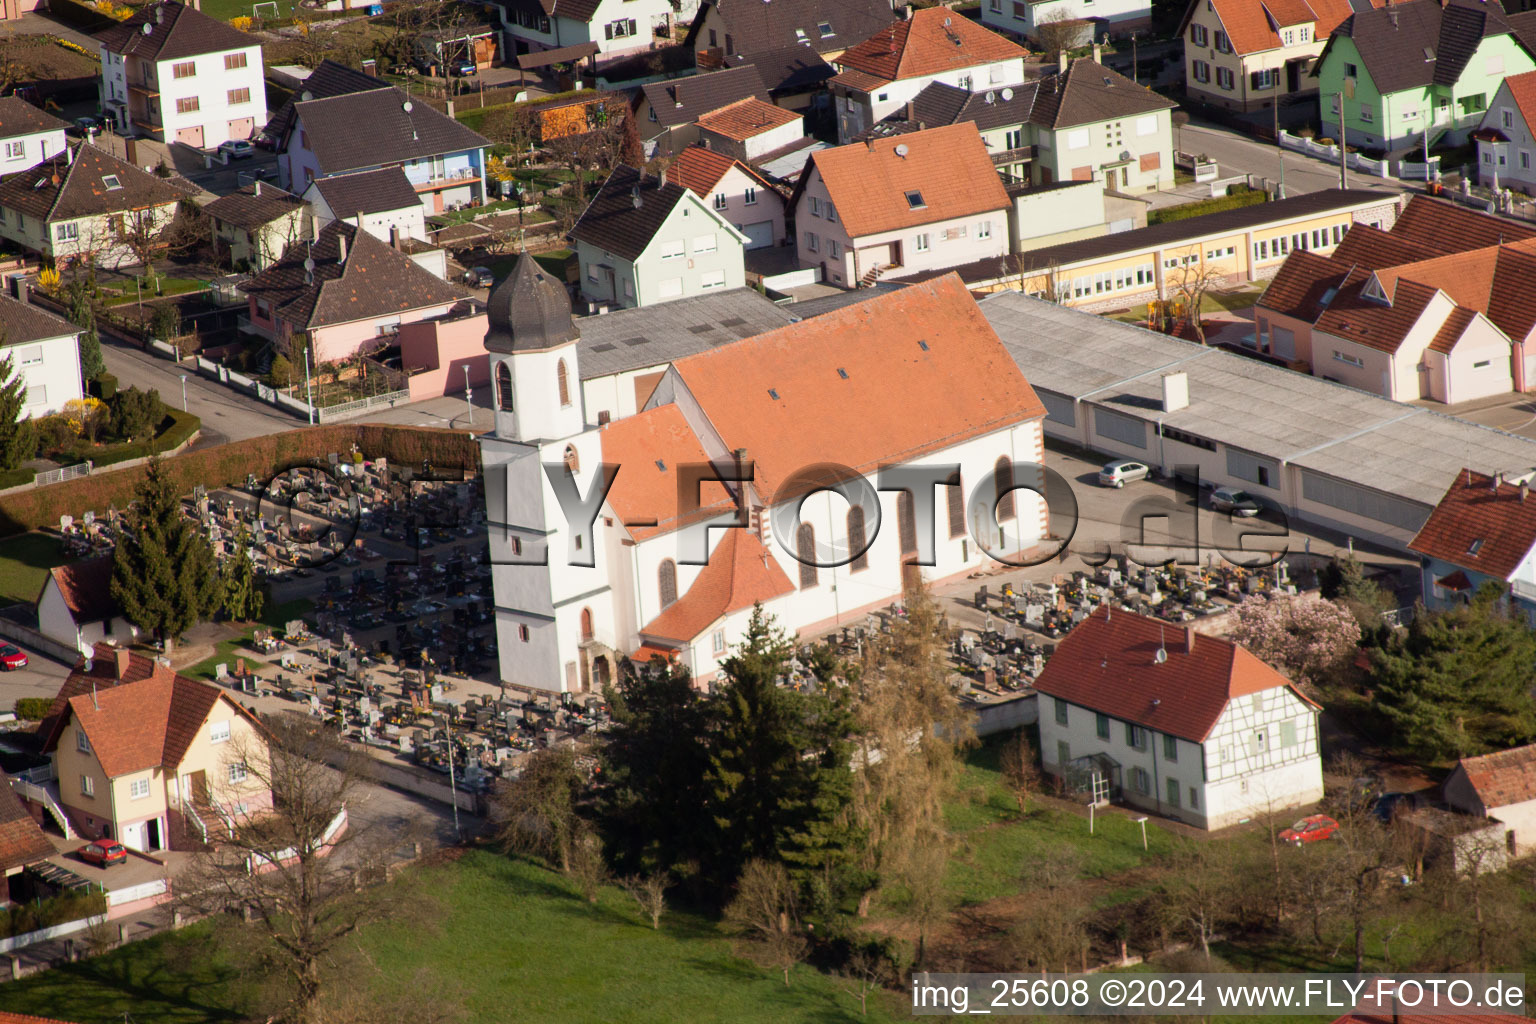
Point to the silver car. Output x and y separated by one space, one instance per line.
1235 501
1123 471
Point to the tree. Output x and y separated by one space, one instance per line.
280 374
136 415
650 892
82 313
163 573
587 868
16 437
1058 32
313 885
928 899
1021 768
1361 856
242 594
765 912
1344 580
1199 894
1460 682
1191 282
515 125
1309 639
537 810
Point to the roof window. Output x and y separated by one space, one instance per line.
1475 546
111 182
915 200
825 28
923 345
842 373
661 464
773 394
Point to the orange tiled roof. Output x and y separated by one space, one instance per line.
1475 527
1251 24
930 42
740 573
699 170
1503 778
21 841
881 381
1522 89
1108 664
746 118
1370 322
1451 331
7 1017
87 588
1298 287
648 448
948 168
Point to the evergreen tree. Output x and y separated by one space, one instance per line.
242 595
81 313
16 436
1460 682
163 572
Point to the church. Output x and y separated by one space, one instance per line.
762 470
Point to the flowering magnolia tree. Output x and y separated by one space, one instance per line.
1308 639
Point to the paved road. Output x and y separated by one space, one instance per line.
1238 154
227 415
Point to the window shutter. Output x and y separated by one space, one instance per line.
1253 80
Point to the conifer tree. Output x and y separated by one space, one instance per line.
243 598
15 432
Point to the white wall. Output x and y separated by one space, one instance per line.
219 118
411 221
766 205
18 152
51 370
1022 17
858 110
677 262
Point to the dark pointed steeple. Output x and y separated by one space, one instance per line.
529 311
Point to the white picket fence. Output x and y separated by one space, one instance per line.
1405 169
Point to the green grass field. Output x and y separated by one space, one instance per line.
24 563
226 9
513 941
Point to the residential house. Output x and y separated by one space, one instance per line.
472 43
1249 54
22 842
1095 19
879 75
162 762
354 122
1482 530
644 240
385 200
749 129
174 74
1042 216
75 607
445 354
790 41
1002 116
900 206
257 223
1434 308
835 388
87 205
1175 722
1408 70
739 194
1090 119
354 298
44 350
28 135
1504 139
616 27
1501 786
666 113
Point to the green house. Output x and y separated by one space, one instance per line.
1410 69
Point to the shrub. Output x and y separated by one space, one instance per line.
104 386
32 709
136 414
166 323
71 905
15 477
1205 206
1325 142
280 375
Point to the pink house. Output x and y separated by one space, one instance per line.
736 191
347 290
436 352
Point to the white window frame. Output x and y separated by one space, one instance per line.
138 789
238 772
921 243
218 732
704 244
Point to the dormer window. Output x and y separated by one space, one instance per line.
825 28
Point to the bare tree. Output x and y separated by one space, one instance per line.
537 811
928 899
1040 278
869 972
1021 769
650 892
1199 894
765 911
1191 282
587 867
1058 32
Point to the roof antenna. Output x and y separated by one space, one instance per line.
94 702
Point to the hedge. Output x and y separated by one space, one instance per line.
181 426
81 16
33 709
15 477
1235 201
230 464
69 905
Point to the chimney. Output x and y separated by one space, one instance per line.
341 248
1189 639
130 150
1525 490
661 179
1061 62
1175 391
1494 481
911 111
1097 54
121 658
358 220
257 189
394 237
371 68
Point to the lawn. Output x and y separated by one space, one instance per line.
1214 302
226 9
130 291
273 616
466 216
500 935
24 563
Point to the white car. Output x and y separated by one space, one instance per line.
238 149
1123 471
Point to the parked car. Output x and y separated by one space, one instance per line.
237 149
104 853
12 657
462 68
1123 471
479 277
86 127
265 140
1235 501
1388 806
1310 829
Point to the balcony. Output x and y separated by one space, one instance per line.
1523 591
145 89
1013 156
466 177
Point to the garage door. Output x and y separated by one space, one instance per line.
759 236
190 136
1283 342
241 128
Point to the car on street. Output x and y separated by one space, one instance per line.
479 277
1311 829
12 657
104 853
1235 501
1123 471
86 127
237 149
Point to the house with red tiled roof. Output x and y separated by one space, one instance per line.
1092 19
750 128
1249 54
1482 530
879 75
899 206
1437 307
151 758
1506 137
75 606
1185 725
709 499
1501 786
736 191
22 841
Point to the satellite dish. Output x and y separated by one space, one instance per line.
146 28
1125 154
946 22
306 95
406 106
1160 657
1007 94
309 264
901 149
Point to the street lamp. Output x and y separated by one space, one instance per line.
183 392
469 397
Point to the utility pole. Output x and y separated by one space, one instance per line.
1133 57
468 397
309 394
1279 148
1343 147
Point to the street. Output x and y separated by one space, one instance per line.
1238 154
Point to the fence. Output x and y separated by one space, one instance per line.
1426 171
58 476
331 413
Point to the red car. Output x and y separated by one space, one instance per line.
12 657
104 853
1310 829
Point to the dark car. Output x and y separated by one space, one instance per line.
479 277
265 140
86 127
12 657
104 853
1310 829
1389 805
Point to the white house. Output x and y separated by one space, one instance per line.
44 350
895 207
174 74
617 27
1185 725
737 192
257 223
911 378
644 240
388 204
750 128
76 608
27 135
1505 141
1096 18
1502 786
878 76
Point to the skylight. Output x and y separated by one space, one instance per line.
1429 53
825 28
773 394
842 373
1475 546
923 345
661 465
915 200
111 182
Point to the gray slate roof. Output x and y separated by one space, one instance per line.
365 129
1089 93
1411 45
613 220
82 189
18 117
379 191
632 339
685 100
244 208
529 311
175 31
22 322
329 79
